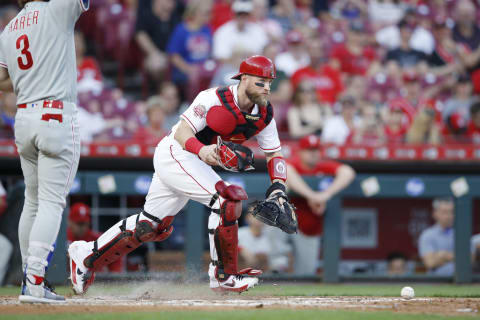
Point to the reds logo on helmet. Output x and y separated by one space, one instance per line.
259 66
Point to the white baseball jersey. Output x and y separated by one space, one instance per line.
37 47
195 116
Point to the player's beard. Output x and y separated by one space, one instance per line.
256 98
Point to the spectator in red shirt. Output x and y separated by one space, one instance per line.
221 13
89 76
79 228
371 130
473 128
312 204
154 131
327 79
354 57
398 119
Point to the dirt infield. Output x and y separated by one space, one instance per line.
442 306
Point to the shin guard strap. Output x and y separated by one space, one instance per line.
151 217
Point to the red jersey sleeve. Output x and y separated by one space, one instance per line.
325 167
328 167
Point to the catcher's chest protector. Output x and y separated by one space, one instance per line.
247 125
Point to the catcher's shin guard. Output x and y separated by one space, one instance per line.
128 240
226 234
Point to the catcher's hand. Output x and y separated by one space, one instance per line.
276 211
234 157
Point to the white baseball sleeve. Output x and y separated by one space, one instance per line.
268 139
196 114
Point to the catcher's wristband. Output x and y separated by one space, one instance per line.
277 169
193 145
275 186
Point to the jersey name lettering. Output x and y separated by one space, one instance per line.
22 22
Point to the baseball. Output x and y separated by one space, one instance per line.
407 292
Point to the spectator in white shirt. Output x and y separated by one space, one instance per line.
421 39
253 244
295 57
272 27
338 128
239 33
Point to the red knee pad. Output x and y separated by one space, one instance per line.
231 208
231 192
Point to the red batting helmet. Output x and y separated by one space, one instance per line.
259 66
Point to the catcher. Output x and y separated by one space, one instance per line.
183 163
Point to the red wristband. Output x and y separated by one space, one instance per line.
193 145
277 169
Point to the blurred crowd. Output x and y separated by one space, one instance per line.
349 71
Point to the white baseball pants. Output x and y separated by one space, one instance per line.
179 176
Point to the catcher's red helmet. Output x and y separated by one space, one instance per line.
259 66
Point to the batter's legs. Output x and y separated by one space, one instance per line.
49 163
30 206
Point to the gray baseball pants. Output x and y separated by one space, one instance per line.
49 152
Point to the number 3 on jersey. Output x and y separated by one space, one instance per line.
22 43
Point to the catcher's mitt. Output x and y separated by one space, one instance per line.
234 157
271 212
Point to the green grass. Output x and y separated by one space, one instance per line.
268 289
239 314
384 290
14 291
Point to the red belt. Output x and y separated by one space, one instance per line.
55 104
